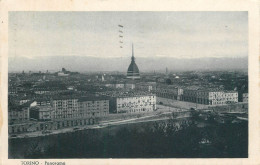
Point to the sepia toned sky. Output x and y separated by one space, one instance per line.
154 34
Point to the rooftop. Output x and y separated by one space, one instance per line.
92 98
15 107
127 93
81 98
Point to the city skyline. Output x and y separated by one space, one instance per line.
134 80
89 64
60 98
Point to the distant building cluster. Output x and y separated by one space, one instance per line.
55 100
76 108
52 103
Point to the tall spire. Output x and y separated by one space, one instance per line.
133 71
133 58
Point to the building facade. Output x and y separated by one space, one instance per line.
169 92
42 113
20 113
210 97
80 107
245 97
93 107
65 107
148 87
131 102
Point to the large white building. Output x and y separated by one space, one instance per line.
131 102
210 97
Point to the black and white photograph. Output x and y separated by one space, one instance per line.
128 85
138 84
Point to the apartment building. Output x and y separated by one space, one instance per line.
80 107
41 113
93 107
170 92
65 107
210 97
20 113
131 102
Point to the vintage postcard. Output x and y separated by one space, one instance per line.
111 82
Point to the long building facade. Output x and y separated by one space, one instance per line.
131 102
209 97
169 92
58 113
80 107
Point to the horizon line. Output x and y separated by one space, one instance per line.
157 56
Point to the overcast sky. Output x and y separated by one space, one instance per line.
154 34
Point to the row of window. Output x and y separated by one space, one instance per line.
79 109
81 114
133 105
131 98
92 105
137 110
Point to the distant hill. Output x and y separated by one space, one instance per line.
85 64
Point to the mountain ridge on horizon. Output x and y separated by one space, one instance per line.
90 63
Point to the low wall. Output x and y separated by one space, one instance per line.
239 107
124 116
48 125
179 104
